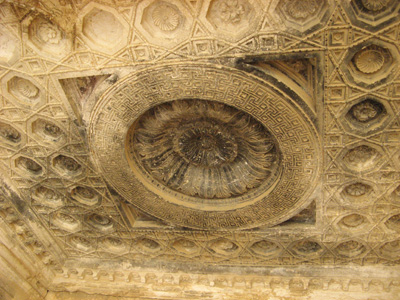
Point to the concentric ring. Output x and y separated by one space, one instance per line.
293 134
203 149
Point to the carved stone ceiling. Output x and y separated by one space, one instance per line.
189 149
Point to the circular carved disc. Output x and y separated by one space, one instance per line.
203 149
158 107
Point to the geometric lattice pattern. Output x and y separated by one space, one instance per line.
338 62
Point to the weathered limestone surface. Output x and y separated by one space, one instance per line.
199 149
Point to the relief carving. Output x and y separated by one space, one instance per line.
47 196
27 164
393 223
52 130
85 195
232 17
166 17
307 248
46 31
197 158
250 148
47 130
147 245
391 249
301 15
100 222
66 164
372 13
9 133
375 5
357 189
166 23
81 243
65 221
371 63
113 244
366 111
204 149
185 246
231 11
361 158
23 89
45 36
350 249
369 60
224 247
265 248
302 9
352 222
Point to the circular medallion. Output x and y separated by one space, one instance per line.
369 61
205 147
166 17
375 5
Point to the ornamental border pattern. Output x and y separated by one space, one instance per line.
339 36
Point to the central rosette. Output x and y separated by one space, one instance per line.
205 143
203 149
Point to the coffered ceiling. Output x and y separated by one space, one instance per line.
190 149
